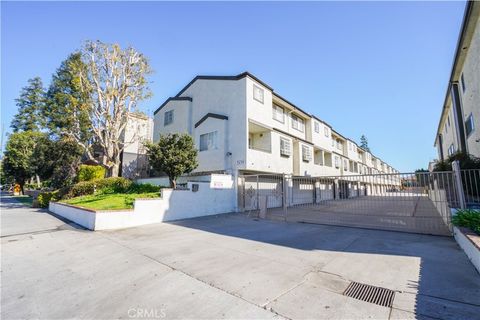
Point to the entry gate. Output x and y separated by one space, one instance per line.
418 202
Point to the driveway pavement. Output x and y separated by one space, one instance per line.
226 266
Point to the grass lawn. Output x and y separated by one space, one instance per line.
109 201
26 200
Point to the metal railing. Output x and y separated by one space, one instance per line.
471 187
414 202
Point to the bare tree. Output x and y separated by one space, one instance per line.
116 81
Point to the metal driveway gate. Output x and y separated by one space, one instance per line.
418 202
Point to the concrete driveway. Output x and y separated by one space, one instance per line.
226 266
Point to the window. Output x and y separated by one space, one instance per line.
277 113
285 147
168 118
258 93
469 127
317 127
345 164
451 149
306 154
298 123
327 134
208 141
339 145
337 162
448 121
462 80
333 142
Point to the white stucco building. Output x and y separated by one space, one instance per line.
240 125
458 128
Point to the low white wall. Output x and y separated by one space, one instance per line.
174 205
164 182
85 218
182 204
472 252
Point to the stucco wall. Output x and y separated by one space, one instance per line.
181 118
224 98
471 96
173 205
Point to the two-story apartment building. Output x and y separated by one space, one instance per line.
458 128
240 125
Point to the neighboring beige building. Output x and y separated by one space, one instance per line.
134 156
459 126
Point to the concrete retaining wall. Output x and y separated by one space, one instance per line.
471 250
199 200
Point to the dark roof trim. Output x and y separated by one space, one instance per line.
237 77
461 38
292 136
210 115
172 99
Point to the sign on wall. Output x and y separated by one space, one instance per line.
221 181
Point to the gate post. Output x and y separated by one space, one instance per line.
258 191
284 196
458 183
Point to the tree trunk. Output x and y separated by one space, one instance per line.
22 191
114 170
173 183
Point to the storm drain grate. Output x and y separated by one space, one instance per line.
381 296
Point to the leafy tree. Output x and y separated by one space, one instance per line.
116 81
465 160
364 143
174 154
30 104
17 162
4 179
56 160
67 104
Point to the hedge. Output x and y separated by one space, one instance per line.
90 173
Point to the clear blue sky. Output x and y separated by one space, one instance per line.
374 68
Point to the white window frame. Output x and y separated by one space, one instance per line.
258 94
327 132
451 149
336 162
276 112
212 141
306 153
316 126
285 147
298 123
469 119
167 120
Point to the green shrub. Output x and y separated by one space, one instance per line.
82 189
113 185
90 173
44 198
143 188
468 218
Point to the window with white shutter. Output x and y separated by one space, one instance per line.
285 148
306 154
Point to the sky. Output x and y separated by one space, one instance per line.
374 68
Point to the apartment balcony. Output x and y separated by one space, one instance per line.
264 154
259 138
